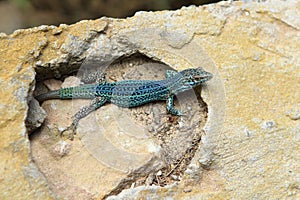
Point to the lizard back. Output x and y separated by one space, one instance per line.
128 93
134 93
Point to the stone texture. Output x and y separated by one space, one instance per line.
251 145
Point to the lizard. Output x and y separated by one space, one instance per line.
131 93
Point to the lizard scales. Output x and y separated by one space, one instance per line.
132 93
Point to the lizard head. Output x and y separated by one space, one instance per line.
194 76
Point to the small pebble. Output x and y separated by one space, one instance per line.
186 190
159 173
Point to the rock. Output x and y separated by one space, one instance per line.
249 110
36 116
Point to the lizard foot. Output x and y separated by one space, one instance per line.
69 132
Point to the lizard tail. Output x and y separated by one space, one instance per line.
49 95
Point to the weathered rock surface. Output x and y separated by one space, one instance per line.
250 148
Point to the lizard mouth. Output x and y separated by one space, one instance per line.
205 76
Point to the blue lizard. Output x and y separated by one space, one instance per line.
131 93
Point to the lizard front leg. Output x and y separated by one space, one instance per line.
170 107
170 73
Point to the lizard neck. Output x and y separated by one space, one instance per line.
174 84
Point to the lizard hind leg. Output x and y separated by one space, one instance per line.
98 77
83 112
101 78
96 103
